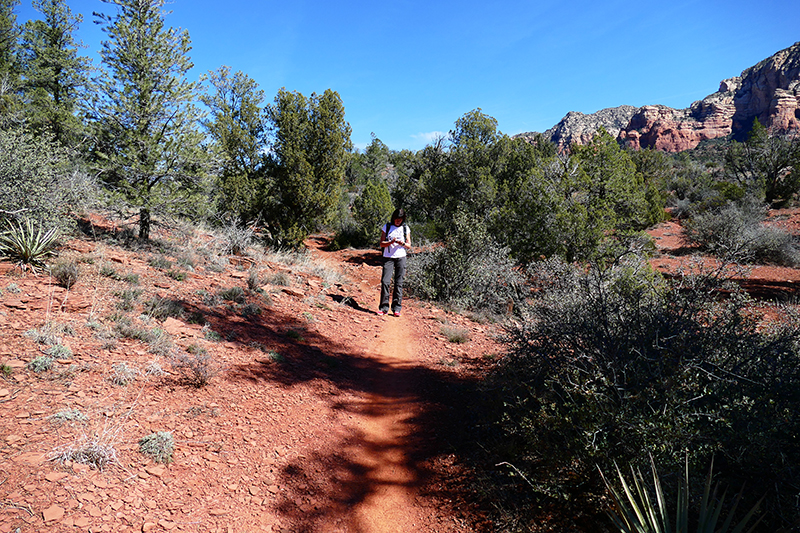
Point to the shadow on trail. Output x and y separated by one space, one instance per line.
433 415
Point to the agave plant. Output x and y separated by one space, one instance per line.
27 244
639 512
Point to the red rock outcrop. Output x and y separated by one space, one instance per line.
768 91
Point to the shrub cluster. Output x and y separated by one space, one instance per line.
612 363
470 271
736 232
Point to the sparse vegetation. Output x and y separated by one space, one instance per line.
455 334
123 374
195 366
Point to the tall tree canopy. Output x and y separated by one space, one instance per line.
9 63
238 128
55 76
148 144
308 161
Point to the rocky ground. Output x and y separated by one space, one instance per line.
318 415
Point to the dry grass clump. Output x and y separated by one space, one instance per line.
158 446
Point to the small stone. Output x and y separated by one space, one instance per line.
156 471
81 522
217 512
55 476
54 512
149 526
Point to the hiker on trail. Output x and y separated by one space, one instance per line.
395 240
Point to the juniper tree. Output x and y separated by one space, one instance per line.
308 161
55 76
148 145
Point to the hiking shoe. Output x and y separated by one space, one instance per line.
397 313
380 312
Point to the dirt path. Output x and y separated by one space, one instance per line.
384 429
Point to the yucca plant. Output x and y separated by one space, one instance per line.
27 244
639 512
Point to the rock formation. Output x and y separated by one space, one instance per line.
768 91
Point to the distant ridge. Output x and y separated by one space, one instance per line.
768 91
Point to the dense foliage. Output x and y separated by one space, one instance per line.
613 363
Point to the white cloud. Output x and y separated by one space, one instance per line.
429 137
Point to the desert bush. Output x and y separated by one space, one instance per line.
158 446
236 239
160 262
59 351
69 415
636 511
736 233
280 279
97 449
65 272
37 181
195 366
42 363
233 294
163 308
127 298
123 374
612 363
471 270
455 334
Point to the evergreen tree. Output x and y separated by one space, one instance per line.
148 145
308 161
55 75
768 165
9 64
238 129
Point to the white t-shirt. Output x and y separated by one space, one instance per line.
395 250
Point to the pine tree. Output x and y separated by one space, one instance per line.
148 145
55 76
238 129
9 64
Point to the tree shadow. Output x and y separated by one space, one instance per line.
323 488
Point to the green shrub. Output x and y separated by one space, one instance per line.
158 446
59 351
611 363
637 512
471 271
163 308
41 363
233 294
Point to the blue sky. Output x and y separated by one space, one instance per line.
407 70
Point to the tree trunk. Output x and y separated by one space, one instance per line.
144 224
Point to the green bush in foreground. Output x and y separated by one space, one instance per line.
612 363
27 244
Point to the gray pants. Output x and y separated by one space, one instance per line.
392 267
